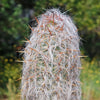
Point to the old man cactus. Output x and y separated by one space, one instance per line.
51 65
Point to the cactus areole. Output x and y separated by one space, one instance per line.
51 67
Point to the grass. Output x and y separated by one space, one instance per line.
90 78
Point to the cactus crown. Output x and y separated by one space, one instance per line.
51 59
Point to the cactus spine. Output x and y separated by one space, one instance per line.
52 59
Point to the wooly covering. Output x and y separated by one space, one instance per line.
51 65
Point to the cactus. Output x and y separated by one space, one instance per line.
51 66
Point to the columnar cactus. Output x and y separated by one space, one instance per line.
52 59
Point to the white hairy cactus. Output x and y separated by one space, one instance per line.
51 65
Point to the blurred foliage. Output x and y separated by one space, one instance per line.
26 3
14 27
12 31
9 70
90 80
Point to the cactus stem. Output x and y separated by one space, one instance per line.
51 68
